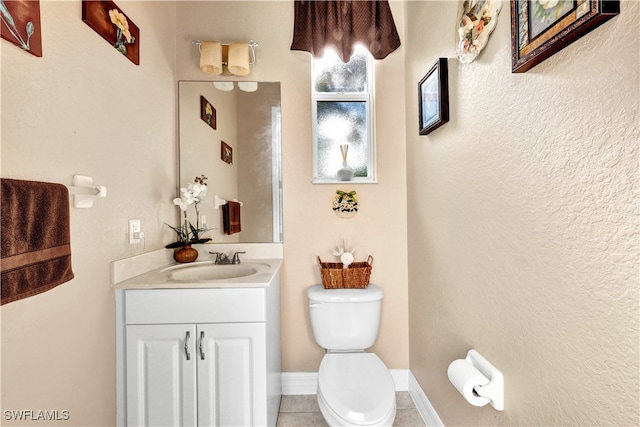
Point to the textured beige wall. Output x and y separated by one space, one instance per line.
310 226
523 219
83 108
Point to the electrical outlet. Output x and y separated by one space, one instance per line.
134 231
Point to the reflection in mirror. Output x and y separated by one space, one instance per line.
248 122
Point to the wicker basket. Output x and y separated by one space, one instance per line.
356 276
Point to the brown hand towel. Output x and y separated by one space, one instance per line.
231 217
35 253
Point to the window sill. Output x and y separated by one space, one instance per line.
335 181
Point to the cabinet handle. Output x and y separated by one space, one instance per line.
201 341
186 345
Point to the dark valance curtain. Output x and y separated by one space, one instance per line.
339 24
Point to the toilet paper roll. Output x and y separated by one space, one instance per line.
464 376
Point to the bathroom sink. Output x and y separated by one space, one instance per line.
204 272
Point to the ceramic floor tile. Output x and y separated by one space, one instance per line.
300 403
296 419
404 400
303 410
408 418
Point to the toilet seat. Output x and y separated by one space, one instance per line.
356 389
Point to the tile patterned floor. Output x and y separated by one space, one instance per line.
303 411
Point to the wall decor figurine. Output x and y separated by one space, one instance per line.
207 112
110 22
345 204
540 28
433 97
226 153
21 24
478 19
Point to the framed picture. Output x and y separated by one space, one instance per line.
21 25
226 153
110 22
207 112
538 30
433 96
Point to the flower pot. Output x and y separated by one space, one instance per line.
185 254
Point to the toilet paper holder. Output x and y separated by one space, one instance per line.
494 391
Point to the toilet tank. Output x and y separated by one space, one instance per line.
345 319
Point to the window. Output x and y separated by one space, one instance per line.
343 114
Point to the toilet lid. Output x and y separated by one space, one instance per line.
357 387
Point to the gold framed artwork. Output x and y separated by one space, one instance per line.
539 29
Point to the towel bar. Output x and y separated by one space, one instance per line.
217 201
84 191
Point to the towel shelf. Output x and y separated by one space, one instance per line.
85 191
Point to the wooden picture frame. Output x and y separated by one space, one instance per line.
110 22
21 25
226 153
538 33
433 97
207 112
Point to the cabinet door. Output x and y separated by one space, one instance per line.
231 374
161 375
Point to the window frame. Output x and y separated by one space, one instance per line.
368 98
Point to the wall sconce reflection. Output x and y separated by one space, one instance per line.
243 86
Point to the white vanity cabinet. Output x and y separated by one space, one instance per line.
205 357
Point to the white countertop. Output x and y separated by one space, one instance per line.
161 278
155 269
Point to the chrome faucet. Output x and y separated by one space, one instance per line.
236 257
221 258
224 258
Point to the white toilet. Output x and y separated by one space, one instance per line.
354 388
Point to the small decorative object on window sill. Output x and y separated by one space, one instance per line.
345 173
188 233
345 204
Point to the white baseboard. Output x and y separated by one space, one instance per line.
426 410
400 379
295 383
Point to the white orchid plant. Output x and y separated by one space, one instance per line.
193 194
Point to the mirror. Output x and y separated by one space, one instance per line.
236 144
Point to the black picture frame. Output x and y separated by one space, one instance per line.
536 36
433 97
